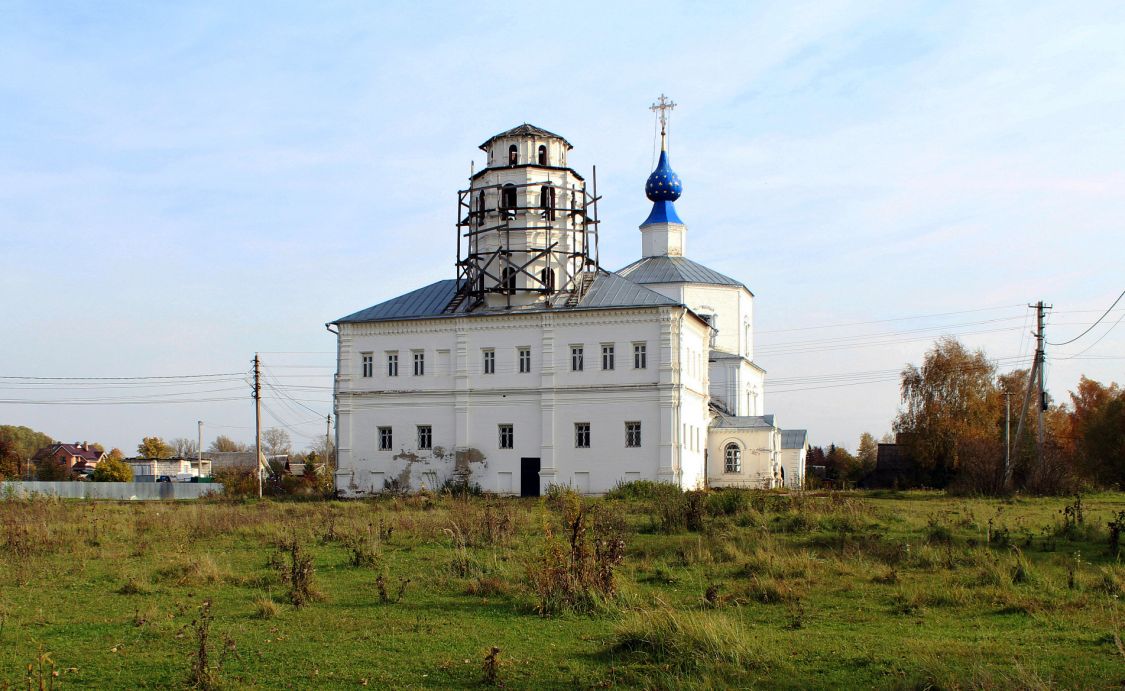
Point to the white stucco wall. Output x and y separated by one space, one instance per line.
464 405
793 460
760 449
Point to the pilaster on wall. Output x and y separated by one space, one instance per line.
671 323
548 472
461 438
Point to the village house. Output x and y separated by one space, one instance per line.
76 457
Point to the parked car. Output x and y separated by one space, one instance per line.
164 478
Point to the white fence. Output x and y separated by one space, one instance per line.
110 490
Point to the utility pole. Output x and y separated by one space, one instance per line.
1035 379
1041 358
258 420
1007 432
328 445
199 447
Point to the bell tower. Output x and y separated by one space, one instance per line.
526 227
663 234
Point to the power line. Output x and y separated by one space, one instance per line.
1099 321
1075 356
892 319
169 376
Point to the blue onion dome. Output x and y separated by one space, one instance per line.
663 185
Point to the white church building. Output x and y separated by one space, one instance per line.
536 366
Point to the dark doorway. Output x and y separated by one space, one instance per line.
529 477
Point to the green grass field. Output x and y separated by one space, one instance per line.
852 590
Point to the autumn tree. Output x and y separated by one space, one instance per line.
867 452
116 454
949 399
17 445
154 447
113 470
10 462
1098 428
276 442
224 444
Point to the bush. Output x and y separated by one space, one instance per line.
727 502
645 490
693 642
576 573
113 470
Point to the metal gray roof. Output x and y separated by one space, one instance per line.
612 290
744 421
794 438
716 355
607 290
424 302
525 130
675 270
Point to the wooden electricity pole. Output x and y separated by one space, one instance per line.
258 421
328 445
1035 379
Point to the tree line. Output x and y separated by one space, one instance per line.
19 444
953 425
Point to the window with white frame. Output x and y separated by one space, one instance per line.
368 364
489 361
419 363
386 441
733 458
525 360
640 355
582 435
425 437
392 364
607 356
576 353
632 434
507 437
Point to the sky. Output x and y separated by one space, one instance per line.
185 184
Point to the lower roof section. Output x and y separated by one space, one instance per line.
607 290
668 269
744 422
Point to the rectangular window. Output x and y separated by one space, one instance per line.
419 363
576 358
392 364
386 442
607 356
632 434
507 437
525 360
367 364
640 356
425 437
489 361
582 435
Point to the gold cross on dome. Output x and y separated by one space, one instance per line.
662 107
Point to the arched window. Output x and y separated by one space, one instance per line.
508 280
733 458
480 206
513 155
547 201
508 200
547 276
542 154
